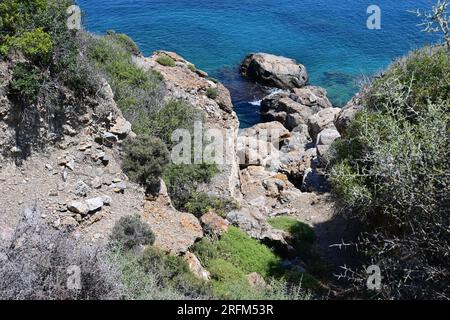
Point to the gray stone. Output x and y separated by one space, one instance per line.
274 71
81 189
78 207
322 120
107 200
328 136
94 204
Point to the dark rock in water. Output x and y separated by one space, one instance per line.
334 77
274 71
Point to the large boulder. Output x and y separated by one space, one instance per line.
322 120
274 71
324 141
175 231
254 223
214 224
311 96
293 109
347 114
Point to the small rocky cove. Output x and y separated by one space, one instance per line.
78 183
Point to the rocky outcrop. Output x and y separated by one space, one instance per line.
186 83
347 114
274 71
175 231
213 224
322 120
294 108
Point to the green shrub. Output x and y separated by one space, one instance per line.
192 67
173 272
183 180
212 93
151 277
411 82
36 45
166 61
144 160
213 79
302 233
173 116
130 232
127 43
138 93
390 173
235 255
201 203
26 82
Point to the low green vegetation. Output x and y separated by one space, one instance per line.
126 42
26 82
174 115
144 160
235 255
155 275
131 232
36 45
183 180
192 67
136 92
303 235
166 61
212 93
200 203
390 171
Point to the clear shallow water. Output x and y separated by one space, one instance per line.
329 37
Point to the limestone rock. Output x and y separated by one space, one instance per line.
295 108
121 128
175 231
196 267
81 189
213 224
322 120
78 207
311 96
347 114
255 280
327 136
254 224
274 71
94 204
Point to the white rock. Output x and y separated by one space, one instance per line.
94 204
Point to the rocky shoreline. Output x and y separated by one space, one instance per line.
79 184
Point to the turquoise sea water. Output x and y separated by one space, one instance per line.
329 37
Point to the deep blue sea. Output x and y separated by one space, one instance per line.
329 37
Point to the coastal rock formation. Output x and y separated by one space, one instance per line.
322 120
347 114
294 108
274 71
186 83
